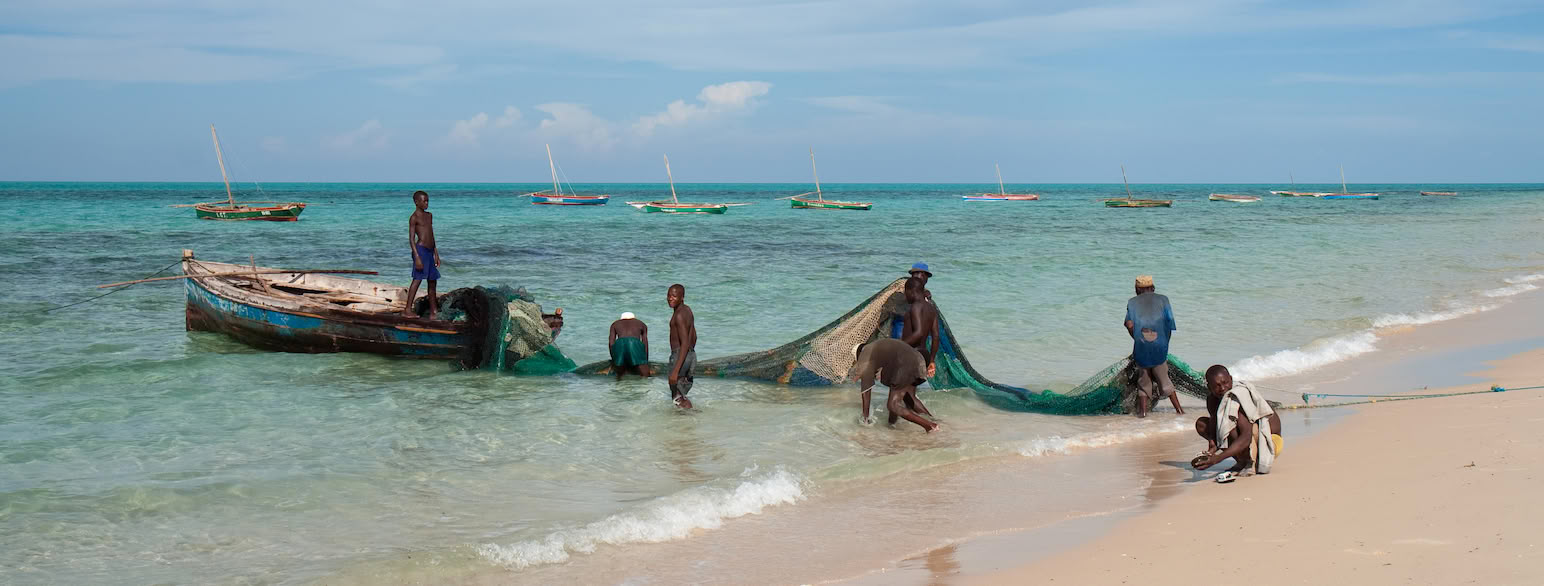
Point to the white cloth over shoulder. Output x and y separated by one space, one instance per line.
1258 410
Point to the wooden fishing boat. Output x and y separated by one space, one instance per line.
1345 193
272 211
230 209
819 202
1234 197
1293 192
1128 202
1443 193
674 206
308 312
1002 193
558 198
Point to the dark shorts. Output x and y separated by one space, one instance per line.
429 272
684 380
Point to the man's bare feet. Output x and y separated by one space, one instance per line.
409 314
1242 465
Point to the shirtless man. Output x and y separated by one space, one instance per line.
683 345
921 325
629 344
1220 384
420 240
900 367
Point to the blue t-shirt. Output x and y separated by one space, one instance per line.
1152 321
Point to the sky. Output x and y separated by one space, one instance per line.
1061 91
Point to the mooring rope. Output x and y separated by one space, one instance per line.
152 275
1388 398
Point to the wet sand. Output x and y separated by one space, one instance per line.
1432 491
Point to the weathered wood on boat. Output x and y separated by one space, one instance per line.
247 272
311 312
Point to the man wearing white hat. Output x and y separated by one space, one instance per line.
629 345
1150 322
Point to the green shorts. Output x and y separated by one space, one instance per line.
628 352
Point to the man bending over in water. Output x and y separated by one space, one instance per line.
901 369
683 345
629 346
1239 417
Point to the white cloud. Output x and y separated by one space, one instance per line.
465 132
578 124
510 118
369 136
712 100
274 144
1504 42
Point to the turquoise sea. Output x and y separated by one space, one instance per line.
132 451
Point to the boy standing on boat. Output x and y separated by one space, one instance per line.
1150 322
426 256
900 367
629 346
683 345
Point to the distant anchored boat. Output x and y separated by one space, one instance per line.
230 209
1233 197
1446 193
558 198
1002 193
1128 202
819 202
674 206
1345 193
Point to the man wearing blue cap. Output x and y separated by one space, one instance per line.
920 271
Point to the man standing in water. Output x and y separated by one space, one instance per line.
426 256
921 325
1150 322
901 369
683 345
629 346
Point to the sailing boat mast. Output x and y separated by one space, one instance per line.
229 197
816 171
554 168
1123 182
1343 179
1000 190
1293 180
672 180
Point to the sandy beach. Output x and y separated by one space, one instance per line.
1428 491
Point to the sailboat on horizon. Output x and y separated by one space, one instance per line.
1345 193
557 197
1002 193
820 202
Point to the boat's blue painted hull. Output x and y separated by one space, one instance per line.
297 331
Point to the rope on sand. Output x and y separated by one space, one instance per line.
1387 398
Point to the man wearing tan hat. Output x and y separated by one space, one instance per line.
1150 322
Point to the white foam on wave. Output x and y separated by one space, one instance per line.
1314 355
1065 445
668 518
1511 290
1419 319
1525 278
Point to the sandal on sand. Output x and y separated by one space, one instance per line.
1227 477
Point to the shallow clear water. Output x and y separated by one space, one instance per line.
132 450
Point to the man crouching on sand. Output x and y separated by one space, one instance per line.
1239 417
901 368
